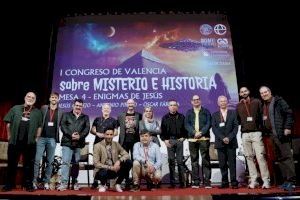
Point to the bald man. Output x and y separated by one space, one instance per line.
129 130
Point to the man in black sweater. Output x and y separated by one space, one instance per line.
173 134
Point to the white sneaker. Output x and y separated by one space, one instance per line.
62 187
76 186
46 186
102 188
118 188
253 185
34 186
266 185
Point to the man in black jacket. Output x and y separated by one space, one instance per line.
173 134
75 127
278 123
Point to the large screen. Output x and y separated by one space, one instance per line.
151 58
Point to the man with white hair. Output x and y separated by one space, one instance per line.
278 123
24 126
225 127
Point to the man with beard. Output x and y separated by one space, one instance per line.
75 127
24 125
129 131
249 115
49 137
111 161
100 124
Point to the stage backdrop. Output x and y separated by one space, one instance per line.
151 58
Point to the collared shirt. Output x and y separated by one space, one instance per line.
153 154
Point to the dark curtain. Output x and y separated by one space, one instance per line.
4 108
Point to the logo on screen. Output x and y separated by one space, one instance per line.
205 29
220 29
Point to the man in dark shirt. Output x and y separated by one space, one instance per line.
24 125
249 115
129 130
49 137
173 134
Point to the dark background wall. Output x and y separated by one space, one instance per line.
265 42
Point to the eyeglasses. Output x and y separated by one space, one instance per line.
196 99
78 105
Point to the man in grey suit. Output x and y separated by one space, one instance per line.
129 130
225 127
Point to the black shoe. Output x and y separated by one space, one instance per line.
127 186
234 185
149 186
172 186
6 189
95 185
158 185
135 188
29 189
181 185
224 185
207 186
289 186
155 187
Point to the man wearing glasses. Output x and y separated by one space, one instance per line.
197 123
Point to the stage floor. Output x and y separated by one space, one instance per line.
163 193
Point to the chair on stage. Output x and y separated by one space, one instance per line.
84 164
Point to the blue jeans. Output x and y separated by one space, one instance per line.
67 154
49 144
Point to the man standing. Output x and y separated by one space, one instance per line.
225 127
24 124
249 115
49 138
110 161
197 123
129 130
147 162
100 124
75 127
278 123
173 134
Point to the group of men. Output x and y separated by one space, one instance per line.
32 131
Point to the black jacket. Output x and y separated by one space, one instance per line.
69 125
281 116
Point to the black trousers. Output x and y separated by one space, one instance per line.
176 152
104 174
14 153
194 148
227 158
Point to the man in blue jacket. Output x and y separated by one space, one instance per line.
197 123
